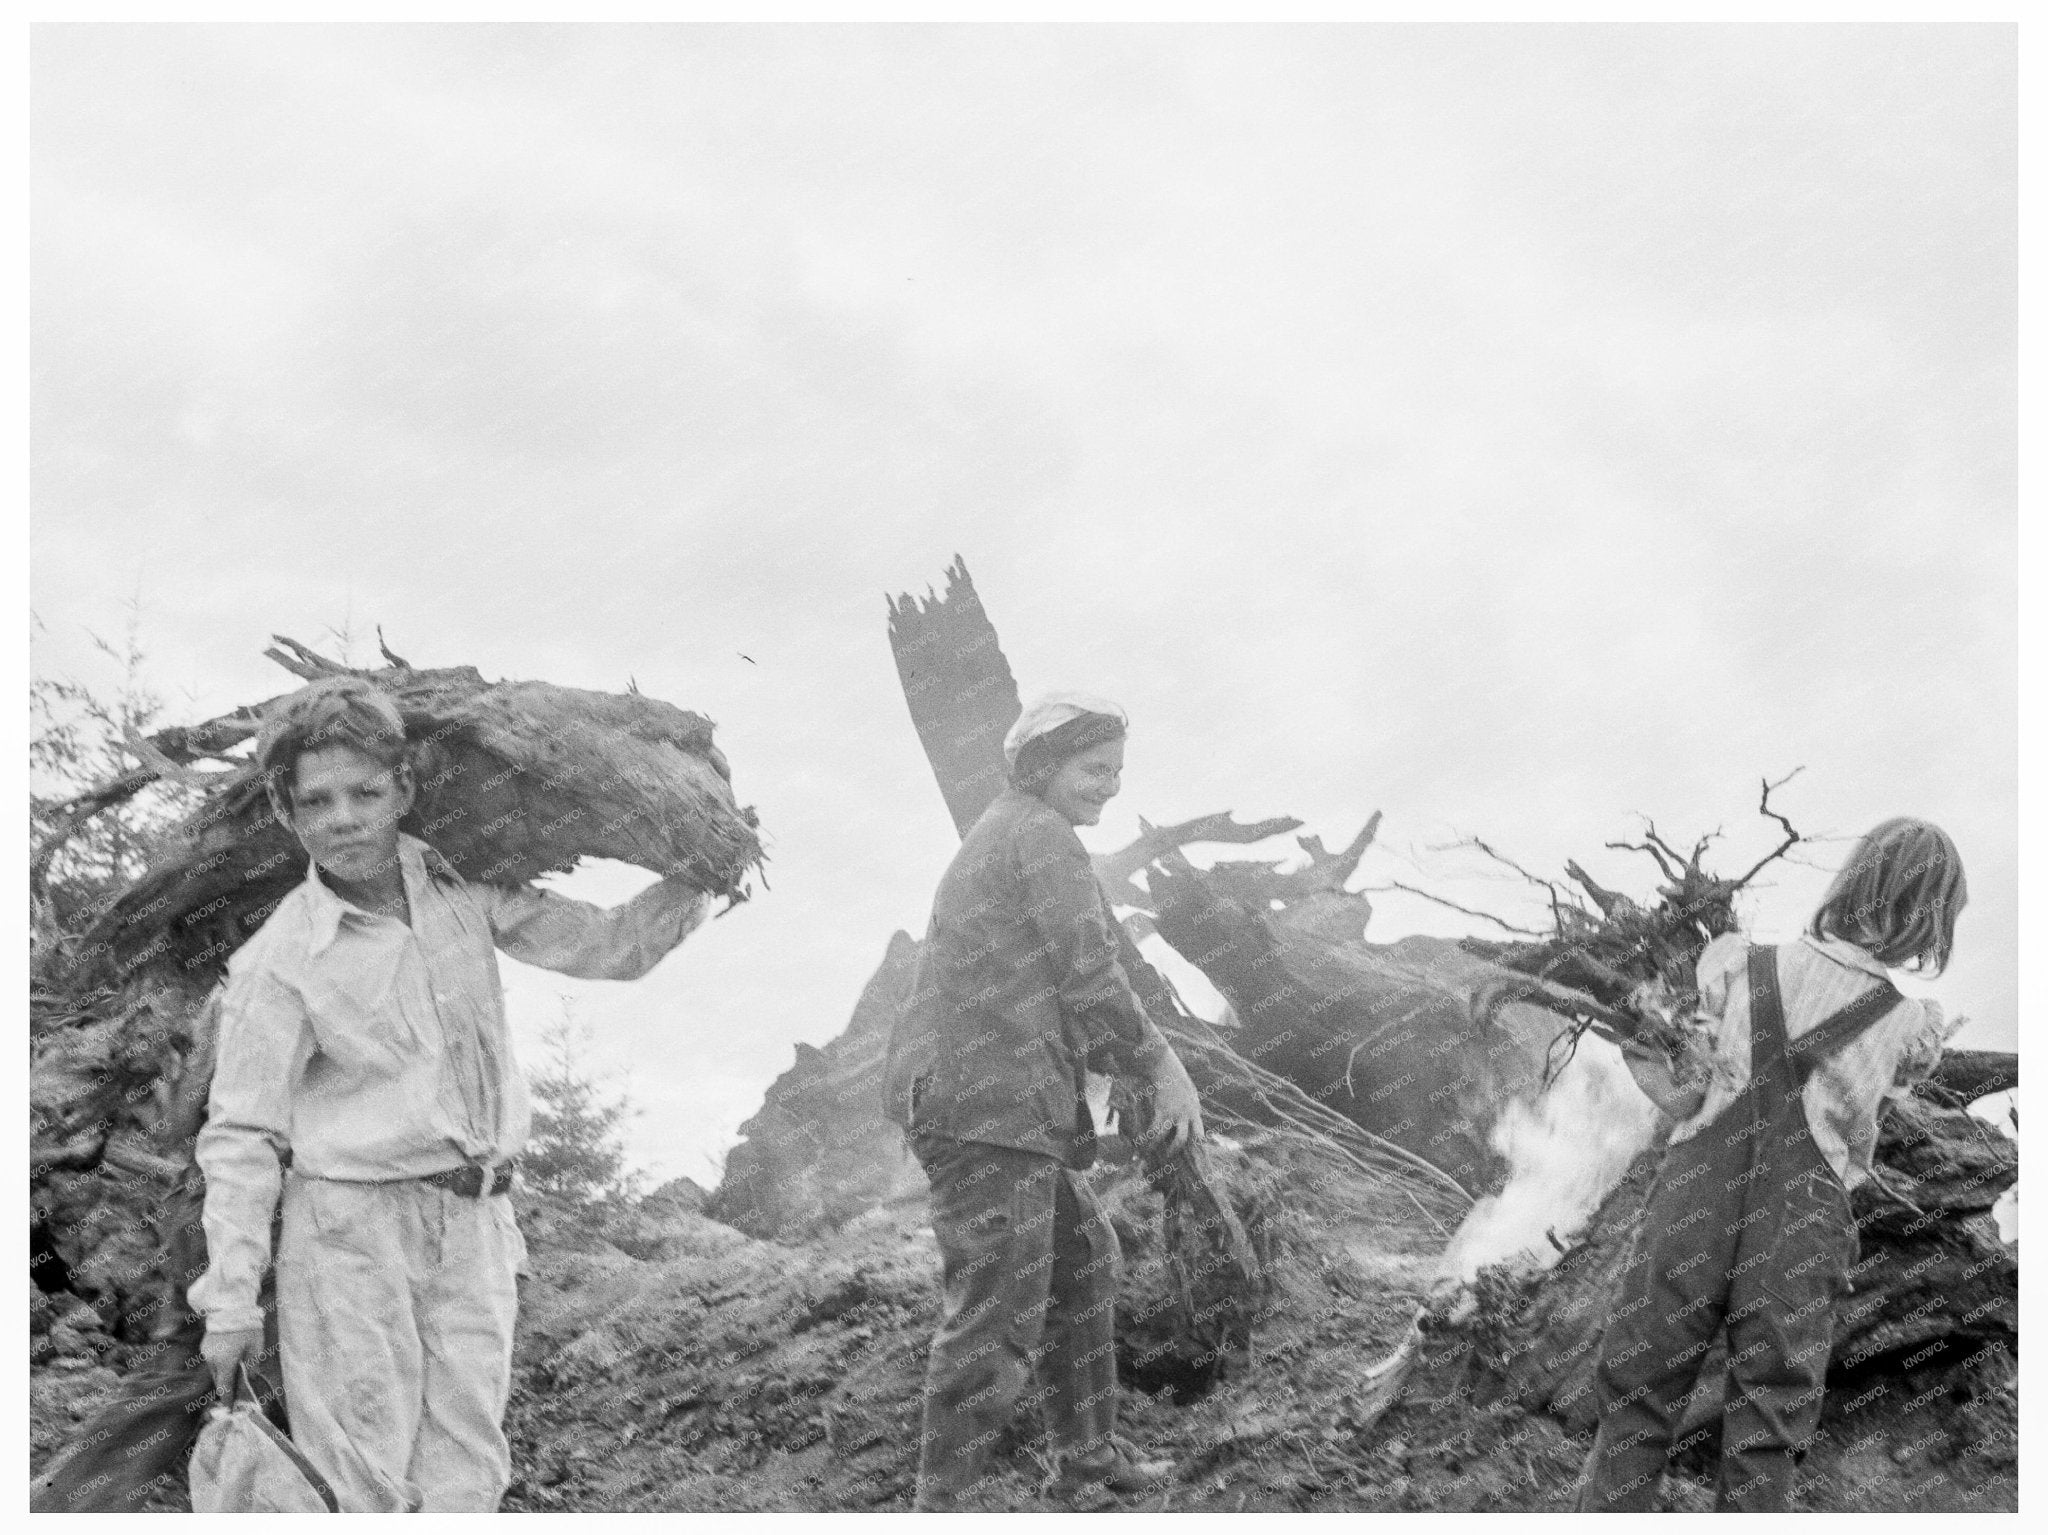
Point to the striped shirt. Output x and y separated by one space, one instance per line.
1847 1092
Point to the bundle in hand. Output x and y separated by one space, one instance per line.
516 779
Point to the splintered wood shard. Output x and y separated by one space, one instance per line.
957 683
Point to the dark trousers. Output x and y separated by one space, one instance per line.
1747 1225
1030 1287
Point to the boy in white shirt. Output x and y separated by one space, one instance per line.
363 1046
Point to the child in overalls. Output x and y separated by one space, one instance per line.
1748 1223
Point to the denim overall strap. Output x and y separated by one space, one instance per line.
1837 1029
1767 1037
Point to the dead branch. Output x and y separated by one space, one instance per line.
166 767
1120 868
1964 1076
1329 871
1791 836
1501 858
1262 884
1609 901
1562 901
1484 916
1669 859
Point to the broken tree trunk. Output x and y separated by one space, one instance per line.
957 683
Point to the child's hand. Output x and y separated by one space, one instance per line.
1176 1118
1661 1080
222 1351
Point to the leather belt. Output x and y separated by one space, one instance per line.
468 1180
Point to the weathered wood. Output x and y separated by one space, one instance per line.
1386 1034
1118 870
1964 1076
516 779
957 683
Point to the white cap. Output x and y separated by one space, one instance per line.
1049 711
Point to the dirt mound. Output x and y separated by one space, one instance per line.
730 1372
737 1373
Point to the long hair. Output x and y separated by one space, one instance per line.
1898 895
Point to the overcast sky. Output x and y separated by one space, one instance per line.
1511 430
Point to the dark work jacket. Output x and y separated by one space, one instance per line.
1018 993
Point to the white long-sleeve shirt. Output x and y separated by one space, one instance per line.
371 1050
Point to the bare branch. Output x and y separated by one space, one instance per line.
168 749
1791 835
1607 900
1262 884
1484 916
1654 846
1117 869
164 767
1561 900
303 661
1673 863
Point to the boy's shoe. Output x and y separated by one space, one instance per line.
1098 1482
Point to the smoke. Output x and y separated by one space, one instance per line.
1566 1148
